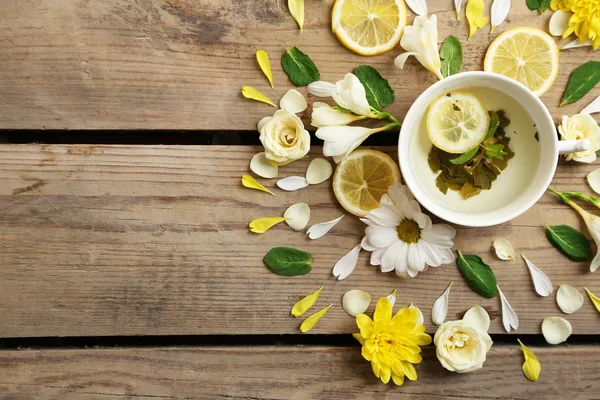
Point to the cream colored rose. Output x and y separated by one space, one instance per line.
284 137
581 126
462 346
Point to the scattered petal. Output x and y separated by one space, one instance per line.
292 183
531 367
499 12
576 43
593 179
593 107
356 302
311 321
401 59
543 285
478 318
261 166
297 216
253 94
509 316
318 171
321 89
440 307
475 16
559 22
345 265
319 230
420 319
305 303
297 10
556 330
392 297
263 61
419 7
293 101
251 183
595 300
504 249
568 299
457 4
261 225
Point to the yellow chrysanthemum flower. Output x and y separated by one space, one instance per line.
585 21
392 343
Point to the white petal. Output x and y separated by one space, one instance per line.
568 299
420 319
576 43
261 167
509 316
440 307
401 59
593 107
504 249
556 330
345 265
543 285
380 236
499 12
292 183
321 89
457 4
416 259
319 230
356 302
419 7
559 22
318 171
392 297
298 215
293 101
478 318
324 115
391 256
341 140
366 245
593 179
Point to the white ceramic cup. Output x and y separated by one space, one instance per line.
550 148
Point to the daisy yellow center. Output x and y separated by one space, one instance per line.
408 231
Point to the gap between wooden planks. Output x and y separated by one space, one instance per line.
154 240
180 64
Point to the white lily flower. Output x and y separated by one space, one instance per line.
321 89
342 140
325 115
351 95
593 224
421 40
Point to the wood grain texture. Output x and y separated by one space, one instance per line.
154 240
284 373
180 64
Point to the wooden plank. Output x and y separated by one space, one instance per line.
284 373
153 240
156 64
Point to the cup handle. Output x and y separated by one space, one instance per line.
573 146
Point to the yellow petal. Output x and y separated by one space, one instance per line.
297 10
263 61
594 299
251 183
311 321
253 94
262 225
531 366
383 310
475 16
307 302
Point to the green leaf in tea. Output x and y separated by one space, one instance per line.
299 67
288 261
581 81
478 275
463 158
451 56
493 126
495 151
379 92
570 242
469 190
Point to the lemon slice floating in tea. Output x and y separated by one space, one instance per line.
457 122
361 179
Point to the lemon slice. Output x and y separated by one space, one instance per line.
527 55
362 178
369 27
457 122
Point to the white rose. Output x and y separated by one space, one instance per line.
350 94
581 126
283 137
462 346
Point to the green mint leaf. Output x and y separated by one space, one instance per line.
570 242
493 126
495 151
451 55
597 153
287 261
379 92
544 4
581 81
299 67
533 4
478 275
463 158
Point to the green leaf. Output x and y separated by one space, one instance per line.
478 275
598 153
299 67
544 4
495 151
493 126
570 242
581 81
379 92
451 56
287 261
533 4
463 158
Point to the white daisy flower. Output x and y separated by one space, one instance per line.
402 238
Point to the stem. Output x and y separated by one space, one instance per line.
385 115
391 126
594 200
564 198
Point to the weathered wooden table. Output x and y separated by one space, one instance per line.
127 269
